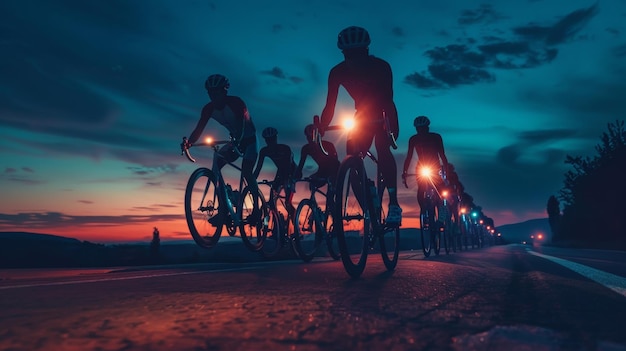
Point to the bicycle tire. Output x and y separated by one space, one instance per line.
308 230
446 230
253 231
351 218
272 225
200 207
425 231
389 237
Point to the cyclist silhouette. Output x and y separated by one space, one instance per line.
282 156
455 184
369 81
327 165
232 113
430 153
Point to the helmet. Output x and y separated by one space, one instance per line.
269 132
353 37
216 81
421 121
308 130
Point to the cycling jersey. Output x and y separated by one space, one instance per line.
234 116
328 165
430 152
369 81
282 157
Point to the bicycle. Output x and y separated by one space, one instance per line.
314 224
212 204
431 225
358 217
278 224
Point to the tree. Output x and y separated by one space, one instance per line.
594 192
554 216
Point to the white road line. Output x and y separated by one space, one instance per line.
109 279
611 281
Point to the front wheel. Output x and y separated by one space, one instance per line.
352 222
308 230
203 208
389 238
426 231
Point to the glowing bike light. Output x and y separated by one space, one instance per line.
444 193
348 124
426 172
208 140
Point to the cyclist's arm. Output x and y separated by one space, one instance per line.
205 115
303 155
331 100
409 155
259 165
442 155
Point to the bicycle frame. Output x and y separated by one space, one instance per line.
368 194
223 186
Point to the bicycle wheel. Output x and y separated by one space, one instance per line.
436 232
273 224
389 238
351 215
202 202
254 230
308 230
425 231
445 228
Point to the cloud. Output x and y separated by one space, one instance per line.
532 144
532 46
560 32
619 51
484 14
36 220
277 72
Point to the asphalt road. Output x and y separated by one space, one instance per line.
498 298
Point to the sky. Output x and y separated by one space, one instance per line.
95 97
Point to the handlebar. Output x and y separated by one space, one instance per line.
317 136
185 146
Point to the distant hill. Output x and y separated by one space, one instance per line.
519 232
21 236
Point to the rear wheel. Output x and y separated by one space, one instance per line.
389 239
255 230
445 228
202 208
426 230
308 230
272 227
351 216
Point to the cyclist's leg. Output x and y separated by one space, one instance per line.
358 144
250 154
388 169
387 165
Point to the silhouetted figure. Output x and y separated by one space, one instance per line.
369 81
430 153
155 245
327 165
232 113
282 156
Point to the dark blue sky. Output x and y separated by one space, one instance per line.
96 95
